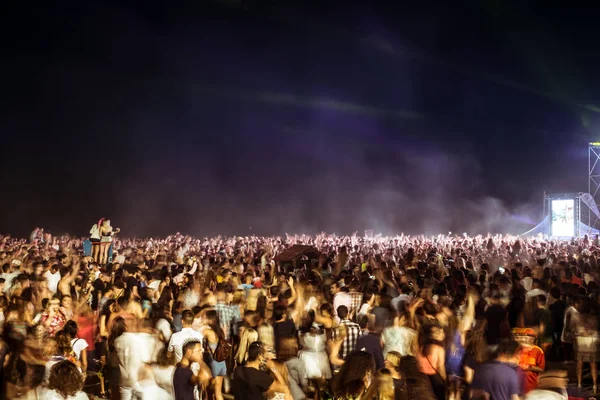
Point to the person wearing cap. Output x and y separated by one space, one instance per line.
531 357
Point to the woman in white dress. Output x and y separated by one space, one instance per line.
314 353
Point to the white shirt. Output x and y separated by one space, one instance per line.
149 390
163 376
180 338
534 293
164 327
155 284
364 309
539 394
95 232
9 277
53 280
341 299
567 334
78 346
401 297
54 395
135 349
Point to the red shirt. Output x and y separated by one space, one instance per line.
86 331
575 280
531 356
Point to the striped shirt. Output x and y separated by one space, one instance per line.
352 335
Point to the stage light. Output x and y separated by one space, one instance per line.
595 144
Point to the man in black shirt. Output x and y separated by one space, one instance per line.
184 379
494 315
250 381
557 310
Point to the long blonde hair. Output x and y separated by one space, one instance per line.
382 387
248 336
393 358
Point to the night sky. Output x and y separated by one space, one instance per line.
240 117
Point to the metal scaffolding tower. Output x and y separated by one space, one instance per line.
593 179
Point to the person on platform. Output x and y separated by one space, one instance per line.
106 239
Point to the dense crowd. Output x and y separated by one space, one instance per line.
351 317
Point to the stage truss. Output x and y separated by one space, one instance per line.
593 179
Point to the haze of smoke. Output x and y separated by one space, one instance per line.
329 171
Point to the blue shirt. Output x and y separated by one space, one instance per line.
498 379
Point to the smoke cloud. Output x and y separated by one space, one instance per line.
213 129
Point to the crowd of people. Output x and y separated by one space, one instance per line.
405 317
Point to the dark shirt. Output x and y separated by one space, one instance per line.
371 343
480 309
131 282
498 379
250 383
557 309
182 383
543 316
494 315
400 389
98 288
283 330
418 385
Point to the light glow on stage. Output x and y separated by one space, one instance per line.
563 218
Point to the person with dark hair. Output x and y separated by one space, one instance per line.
185 381
110 360
367 305
213 334
252 382
355 375
227 312
557 311
65 382
186 334
352 332
498 378
284 329
383 310
341 296
53 318
432 359
568 332
78 345
400 302
495 317
544 319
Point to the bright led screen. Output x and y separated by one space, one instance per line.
563 218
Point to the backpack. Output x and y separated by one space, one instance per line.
222 352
